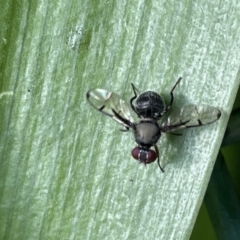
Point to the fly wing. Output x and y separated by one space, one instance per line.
190 116
110 104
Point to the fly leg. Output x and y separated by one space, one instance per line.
171 94
158 160
133 98
128 124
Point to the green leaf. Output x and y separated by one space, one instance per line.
66 170
222 202
232 134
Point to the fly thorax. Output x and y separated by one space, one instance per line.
147 133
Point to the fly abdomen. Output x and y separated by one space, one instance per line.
150 105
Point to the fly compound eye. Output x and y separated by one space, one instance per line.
144 156
135 152
151 156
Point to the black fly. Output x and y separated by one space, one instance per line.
150 107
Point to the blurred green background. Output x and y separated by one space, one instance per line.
204 228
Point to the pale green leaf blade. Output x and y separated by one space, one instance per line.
66 170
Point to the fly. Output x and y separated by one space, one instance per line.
149 106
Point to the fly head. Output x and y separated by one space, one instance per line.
145 156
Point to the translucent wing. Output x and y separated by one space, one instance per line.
110 103
190 116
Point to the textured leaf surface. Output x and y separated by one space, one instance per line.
65 170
